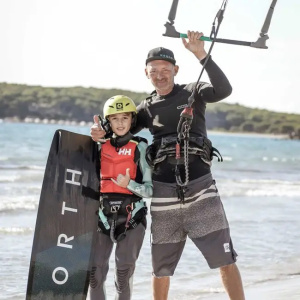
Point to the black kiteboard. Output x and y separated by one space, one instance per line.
66 221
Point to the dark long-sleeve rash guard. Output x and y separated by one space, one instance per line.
161 114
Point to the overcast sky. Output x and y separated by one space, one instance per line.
104 43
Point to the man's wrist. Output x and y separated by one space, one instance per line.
202 61
201 55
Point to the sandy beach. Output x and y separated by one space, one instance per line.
283 289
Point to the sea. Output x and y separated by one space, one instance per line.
259 183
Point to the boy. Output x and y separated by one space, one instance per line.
125 179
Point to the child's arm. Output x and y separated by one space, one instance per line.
145 189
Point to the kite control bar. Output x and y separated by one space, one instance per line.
260 43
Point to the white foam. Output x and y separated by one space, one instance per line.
25 202
8 178
259 187
227 158
16 230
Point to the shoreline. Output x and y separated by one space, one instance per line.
251 134
45 121
279 289
88 124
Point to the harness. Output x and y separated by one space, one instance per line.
170 147
119 213
180 151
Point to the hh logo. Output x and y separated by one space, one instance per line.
124 151
227 247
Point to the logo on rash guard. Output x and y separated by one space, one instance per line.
182 106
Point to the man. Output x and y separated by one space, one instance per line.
185 199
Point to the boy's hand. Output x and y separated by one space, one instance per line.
97 132
122 180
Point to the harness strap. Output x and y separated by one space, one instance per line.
113 228
137 214
134 217
129 210
137 206
186 163
215 152
103 219
180 192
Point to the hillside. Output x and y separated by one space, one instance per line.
23 102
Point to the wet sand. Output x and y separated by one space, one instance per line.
283 289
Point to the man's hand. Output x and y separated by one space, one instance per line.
122 180
97 132
194 44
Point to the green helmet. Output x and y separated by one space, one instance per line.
118 104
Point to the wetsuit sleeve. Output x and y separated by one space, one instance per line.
145 189
142 117
219 88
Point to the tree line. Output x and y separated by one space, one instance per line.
80 104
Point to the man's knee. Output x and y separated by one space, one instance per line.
228 268
160 278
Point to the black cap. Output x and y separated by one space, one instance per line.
161 53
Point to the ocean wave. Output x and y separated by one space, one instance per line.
22 167
22 203
29 177
16 208
269 181
259 187
270 279
272 193
264 159
8 178
16 230
227 158
19 192
280 159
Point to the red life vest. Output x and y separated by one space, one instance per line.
114 163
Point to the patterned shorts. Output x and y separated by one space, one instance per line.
200 216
